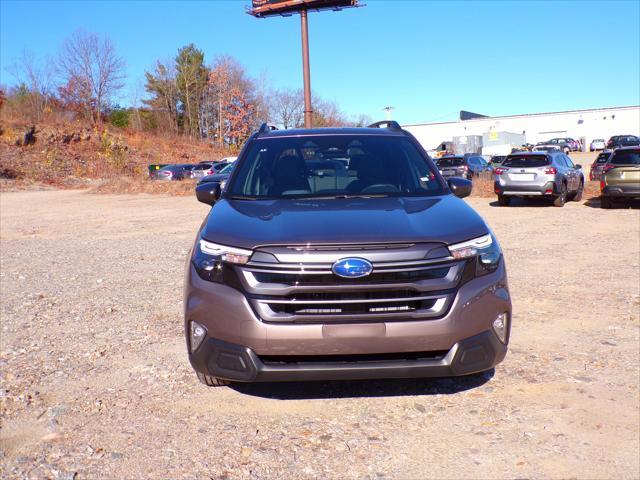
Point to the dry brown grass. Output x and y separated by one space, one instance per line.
65 155
483 185
121 185
591 190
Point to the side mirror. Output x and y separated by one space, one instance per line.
208 193
577 166
460 187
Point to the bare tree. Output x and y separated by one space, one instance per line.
36 78
92 61
362 120
327 113
287 108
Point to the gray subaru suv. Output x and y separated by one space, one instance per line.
342 254
536 174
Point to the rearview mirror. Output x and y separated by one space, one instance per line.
460 187
208 193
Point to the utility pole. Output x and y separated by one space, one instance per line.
271 8
306 73
388 109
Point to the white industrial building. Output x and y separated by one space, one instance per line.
584 125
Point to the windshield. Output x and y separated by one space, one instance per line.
626 157
526 161
451 162
333 166
602 158
228 168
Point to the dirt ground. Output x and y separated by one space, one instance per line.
95 381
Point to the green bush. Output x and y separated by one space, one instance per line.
120 118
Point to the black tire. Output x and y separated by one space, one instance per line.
212 381
561 199
606 202
504 200
577 196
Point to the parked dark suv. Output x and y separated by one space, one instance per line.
464 166
619 141
342 254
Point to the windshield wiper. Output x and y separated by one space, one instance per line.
340 197
241 197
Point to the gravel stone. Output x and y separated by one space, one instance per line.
95 380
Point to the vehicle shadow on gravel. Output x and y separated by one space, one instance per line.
364 388
595 203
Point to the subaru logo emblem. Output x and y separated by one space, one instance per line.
352 267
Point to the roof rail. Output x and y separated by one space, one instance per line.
390 124
265 127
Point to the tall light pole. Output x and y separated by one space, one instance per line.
306 73
388 109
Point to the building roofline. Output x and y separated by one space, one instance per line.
627 107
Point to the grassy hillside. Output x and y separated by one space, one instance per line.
107 158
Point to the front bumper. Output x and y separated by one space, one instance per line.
630 191
237 363
233 326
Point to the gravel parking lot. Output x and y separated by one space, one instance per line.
95 381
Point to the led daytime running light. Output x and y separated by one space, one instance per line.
470 247
227 254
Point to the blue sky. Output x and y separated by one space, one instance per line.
428 59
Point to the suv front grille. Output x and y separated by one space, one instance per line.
405 284
379 277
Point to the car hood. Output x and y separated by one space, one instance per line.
253 223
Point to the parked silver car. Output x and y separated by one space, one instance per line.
200 170
547 148
171 172
550 174
597 144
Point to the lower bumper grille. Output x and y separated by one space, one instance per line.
374 357
419 306
352 308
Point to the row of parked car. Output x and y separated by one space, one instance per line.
617 141
568 144
183 171
550 173
553 175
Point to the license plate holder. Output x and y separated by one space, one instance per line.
522 177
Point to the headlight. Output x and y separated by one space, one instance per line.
209 259
485 248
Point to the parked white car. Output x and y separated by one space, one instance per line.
597 144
